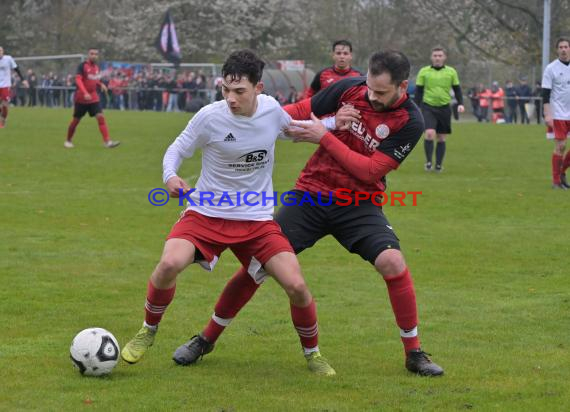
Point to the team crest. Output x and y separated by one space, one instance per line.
382 131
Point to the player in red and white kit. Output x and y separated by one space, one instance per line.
341 68
87 79
556 98
7 64
237 138
358 159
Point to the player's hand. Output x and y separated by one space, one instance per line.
174 184
103 87
87 96
548 120
26 84
345 116
460 108
307 132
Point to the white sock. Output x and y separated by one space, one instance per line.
308 351
151 327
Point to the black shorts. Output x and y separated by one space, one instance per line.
363 229
438 118
91 108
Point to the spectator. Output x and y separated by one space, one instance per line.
484 102
32 90
497 103
473 94
524 92
511 96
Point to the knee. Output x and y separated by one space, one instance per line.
430 134
168 267
390 262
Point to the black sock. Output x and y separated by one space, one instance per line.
439 153
428 146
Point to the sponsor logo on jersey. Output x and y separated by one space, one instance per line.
382 131
358 129
230 138
255 156
401 151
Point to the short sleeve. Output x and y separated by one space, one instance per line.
454 78
547 79
420 79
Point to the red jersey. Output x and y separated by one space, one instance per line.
87 79
394 133
328 76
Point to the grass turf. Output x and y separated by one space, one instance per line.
487 246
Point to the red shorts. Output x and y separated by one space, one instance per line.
5 94
561 129
252 242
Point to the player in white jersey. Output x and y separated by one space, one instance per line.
556 98
7 64
237 137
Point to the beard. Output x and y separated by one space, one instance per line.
381 107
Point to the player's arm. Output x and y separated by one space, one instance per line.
457 91
19 73
419 91
391 152
191 138
79 82
546 106
546 91
324 102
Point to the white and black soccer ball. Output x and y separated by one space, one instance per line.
94 352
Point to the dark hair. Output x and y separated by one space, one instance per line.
243 63
394 62
438 48
93 48
342 43
562 40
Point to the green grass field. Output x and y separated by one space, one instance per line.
488 247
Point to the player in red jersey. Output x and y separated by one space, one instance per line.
87 79
341 69
379 139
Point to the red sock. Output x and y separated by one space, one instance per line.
403 299
5 112
238 291
103 128
71 128
157 300
305 322
566 163
556 168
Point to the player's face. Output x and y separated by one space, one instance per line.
438 58
342 57
1 52
382 93
93 55
241 95
564 51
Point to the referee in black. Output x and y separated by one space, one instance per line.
433 86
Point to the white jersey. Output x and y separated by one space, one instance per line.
237 157
7 64
557 78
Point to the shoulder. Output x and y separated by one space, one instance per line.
210 112
424 69
267 101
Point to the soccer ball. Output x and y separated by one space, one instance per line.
94 351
